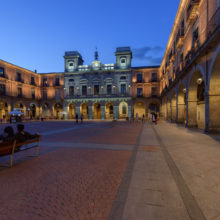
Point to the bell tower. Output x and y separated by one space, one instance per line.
72 60
123 57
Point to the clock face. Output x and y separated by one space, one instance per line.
96 64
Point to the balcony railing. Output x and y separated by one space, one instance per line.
19 96
192 10
97 96
20 80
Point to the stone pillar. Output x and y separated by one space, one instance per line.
78 110
116 112
177 107
102 112
187 109
207 119
130 110
90 112
65 109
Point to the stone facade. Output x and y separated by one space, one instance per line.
98 91
190 70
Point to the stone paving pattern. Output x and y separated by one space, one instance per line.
113 171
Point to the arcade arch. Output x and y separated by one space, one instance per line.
196 101
173 106
71 111
57 109
139 109
109 113
46 110
84 110
181 104
96 110
123 110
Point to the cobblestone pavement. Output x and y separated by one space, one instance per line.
67 182
114 171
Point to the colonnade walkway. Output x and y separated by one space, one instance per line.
115 171
175 174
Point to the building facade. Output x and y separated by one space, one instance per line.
185 88
98 91
190 70
35 95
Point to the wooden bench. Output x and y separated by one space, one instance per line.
10 148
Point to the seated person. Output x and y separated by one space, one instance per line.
8 135
22 135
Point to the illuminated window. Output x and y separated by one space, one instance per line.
96 89
2 71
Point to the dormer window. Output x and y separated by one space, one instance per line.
123 61
71 64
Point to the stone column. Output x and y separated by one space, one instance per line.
187 107
102 112
65 109
90 112
116 112
177 107
130 110
78 110
207 119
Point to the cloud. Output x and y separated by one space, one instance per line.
151 55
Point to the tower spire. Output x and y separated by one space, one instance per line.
96 54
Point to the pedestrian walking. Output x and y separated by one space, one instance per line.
137 117
77 117
143 118
81 117
155 115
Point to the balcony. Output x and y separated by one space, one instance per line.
192 10
180 38
140 81
33 83
20 80
19 96
97 96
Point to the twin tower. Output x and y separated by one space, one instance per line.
74 61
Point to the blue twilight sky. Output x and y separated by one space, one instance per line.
36 33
